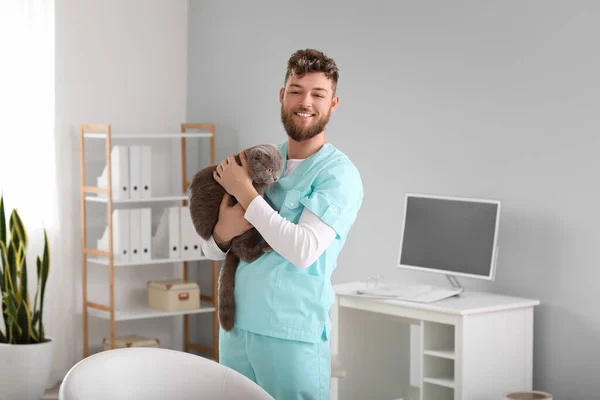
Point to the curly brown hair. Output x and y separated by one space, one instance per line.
310 60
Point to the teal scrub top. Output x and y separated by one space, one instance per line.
274 297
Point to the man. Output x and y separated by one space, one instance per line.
281 335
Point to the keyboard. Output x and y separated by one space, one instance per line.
409 292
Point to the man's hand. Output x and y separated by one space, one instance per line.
231 223
236 180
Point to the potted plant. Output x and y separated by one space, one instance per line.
25 350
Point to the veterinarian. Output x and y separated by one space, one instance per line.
281 335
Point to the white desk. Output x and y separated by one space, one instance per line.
478 346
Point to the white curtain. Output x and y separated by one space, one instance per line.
29 173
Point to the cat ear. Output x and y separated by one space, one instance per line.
259 152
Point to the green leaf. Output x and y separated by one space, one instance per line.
31 335
4 283
17 228
2 221
36 318
12 302
23 277
45 271
3 264
36 310
12 265
23 314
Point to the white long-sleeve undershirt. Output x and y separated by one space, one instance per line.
301 244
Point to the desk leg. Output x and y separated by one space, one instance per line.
333 392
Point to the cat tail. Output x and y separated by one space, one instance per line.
226 291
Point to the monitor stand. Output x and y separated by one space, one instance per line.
454 282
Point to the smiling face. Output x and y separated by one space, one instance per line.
306 105
308 96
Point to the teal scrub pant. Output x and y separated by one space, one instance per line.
286 369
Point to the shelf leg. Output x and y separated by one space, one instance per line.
111 265
84 240
186 319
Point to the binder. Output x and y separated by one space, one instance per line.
119 159
160 240
135 234
135 171
190 245
146 233
121 245
120 221
146 172
174 232
166 241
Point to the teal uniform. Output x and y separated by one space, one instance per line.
282 325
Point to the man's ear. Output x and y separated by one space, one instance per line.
281 92
334 102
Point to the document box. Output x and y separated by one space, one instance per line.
132 341
173 295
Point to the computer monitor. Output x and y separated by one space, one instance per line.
453 236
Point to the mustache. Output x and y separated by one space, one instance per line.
305 110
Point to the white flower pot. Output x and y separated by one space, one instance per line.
25 370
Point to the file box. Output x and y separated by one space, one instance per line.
173 295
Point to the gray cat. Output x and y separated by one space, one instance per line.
265 165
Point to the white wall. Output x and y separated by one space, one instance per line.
483 99
122 63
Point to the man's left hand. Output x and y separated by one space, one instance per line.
235 179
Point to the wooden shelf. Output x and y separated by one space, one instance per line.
104 261
136 313
135 136
160 199
98 195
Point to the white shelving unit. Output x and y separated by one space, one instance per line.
106 259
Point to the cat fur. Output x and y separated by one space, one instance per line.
205 196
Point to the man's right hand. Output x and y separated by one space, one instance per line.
231 223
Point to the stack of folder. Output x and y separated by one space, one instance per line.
132 235
131 173
175 235
133 241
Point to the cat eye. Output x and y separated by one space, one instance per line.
270 170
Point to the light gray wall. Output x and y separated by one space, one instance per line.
483 99
122 63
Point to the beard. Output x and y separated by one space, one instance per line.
303 133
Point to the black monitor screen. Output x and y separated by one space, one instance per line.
453 235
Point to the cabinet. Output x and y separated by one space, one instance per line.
474 346
104 191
